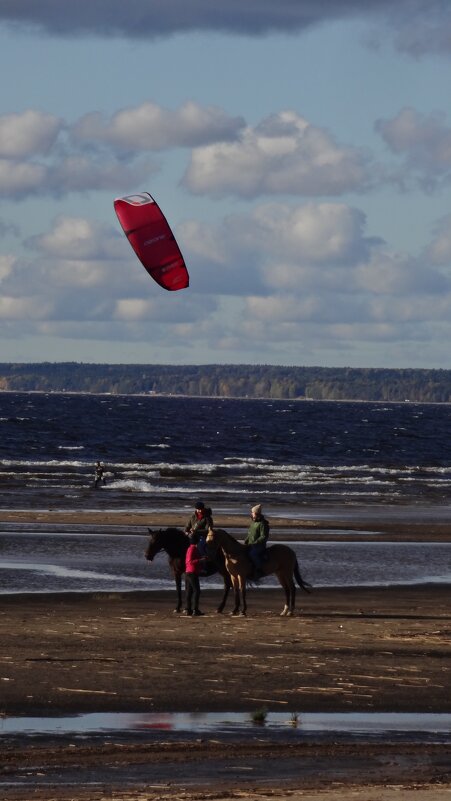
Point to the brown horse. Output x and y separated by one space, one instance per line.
280 560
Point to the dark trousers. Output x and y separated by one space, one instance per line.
192 586
257 554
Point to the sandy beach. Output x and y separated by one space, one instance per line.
356 649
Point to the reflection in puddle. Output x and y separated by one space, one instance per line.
374 723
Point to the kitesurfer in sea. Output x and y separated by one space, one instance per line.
99 474
194 561
199 523
257 537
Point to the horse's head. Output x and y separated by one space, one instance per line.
171 540
212 542
154 545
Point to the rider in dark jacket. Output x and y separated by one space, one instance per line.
200 521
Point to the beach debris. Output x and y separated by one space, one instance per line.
77 690
259 715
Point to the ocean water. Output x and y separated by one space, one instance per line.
85 562
162 453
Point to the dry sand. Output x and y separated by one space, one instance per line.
360 649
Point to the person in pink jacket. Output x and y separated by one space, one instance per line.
193 563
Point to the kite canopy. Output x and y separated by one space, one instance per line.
150 236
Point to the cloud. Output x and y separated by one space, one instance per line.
424 141
143 20
387 273
417 27
23 308
284 154
82 275
80 174
150 127
28 134
439 251
7 261
79 238
277 246
42 155
63 175
19 179
309 273
423 28
261 282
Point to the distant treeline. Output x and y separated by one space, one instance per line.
227 380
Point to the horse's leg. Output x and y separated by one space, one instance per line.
290 591
293 598
227 585
243 593
236 589
286 588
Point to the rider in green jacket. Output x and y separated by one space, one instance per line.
257 536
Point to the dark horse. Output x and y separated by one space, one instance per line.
175 543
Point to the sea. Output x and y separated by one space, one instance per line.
299 458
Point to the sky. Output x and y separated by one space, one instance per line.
300 150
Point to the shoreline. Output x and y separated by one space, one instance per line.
345 527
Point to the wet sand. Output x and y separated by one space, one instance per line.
339 524
358 649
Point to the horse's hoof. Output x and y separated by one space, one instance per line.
176 611
220 610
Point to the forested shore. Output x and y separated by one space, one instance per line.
231 381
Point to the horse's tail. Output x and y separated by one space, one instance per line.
304 585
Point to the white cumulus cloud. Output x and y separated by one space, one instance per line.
20 179
284 154
28 133
150 127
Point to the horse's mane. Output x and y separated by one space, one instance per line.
168 532
228 539
170 536
172 531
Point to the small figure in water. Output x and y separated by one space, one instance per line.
200 521
99 474
257 537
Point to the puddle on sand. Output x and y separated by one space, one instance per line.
351 723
